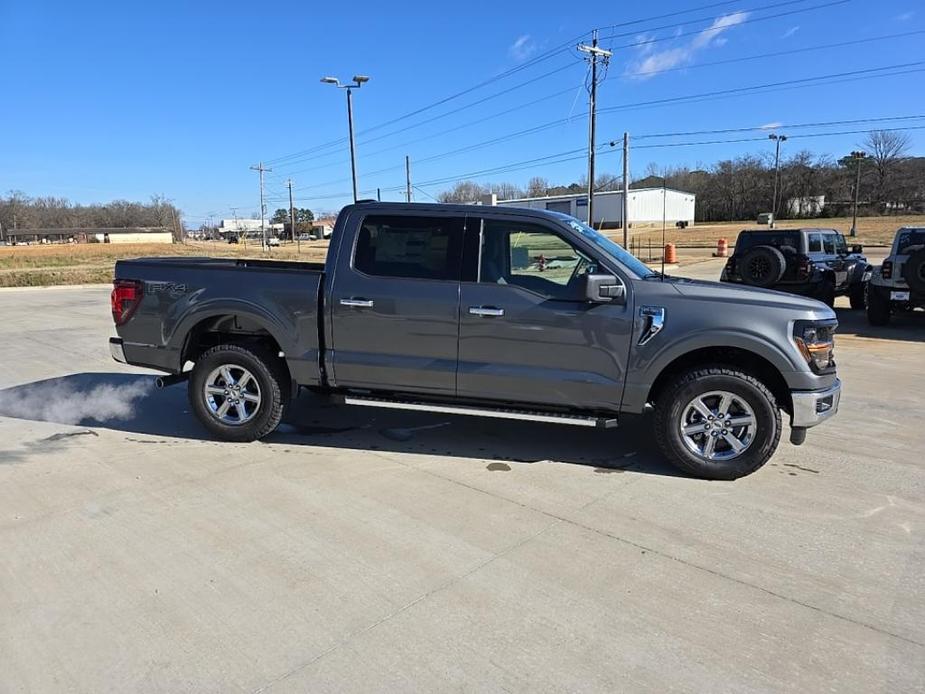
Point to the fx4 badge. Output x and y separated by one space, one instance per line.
173 289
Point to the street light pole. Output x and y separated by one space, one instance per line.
858 156
358 81
778 139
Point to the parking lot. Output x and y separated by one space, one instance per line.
367 550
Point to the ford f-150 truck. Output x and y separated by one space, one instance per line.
492 311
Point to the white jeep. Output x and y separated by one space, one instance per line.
899 283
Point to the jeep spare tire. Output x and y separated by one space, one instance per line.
914 271
762 266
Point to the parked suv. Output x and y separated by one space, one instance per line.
812 262
899 284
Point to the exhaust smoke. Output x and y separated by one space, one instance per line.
66 404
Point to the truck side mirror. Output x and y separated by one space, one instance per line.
602 289
857 248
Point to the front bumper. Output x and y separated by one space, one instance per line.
814 407
116 350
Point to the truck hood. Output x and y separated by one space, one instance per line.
722 292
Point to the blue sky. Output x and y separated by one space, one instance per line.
107 100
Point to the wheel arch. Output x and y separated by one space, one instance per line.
745 359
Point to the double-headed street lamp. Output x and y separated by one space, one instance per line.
778 139
857 156
358 81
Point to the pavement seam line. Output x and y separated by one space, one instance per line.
394 613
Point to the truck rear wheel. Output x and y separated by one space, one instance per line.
238 392
717 423
878 305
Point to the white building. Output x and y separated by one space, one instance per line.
646 206
247 227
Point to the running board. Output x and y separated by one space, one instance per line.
525 415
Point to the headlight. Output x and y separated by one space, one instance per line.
816 342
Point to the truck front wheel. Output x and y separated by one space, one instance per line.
238 391
717 423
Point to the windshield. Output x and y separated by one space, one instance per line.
610 247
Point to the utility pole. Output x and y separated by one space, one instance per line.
626 189
778 139
261 169
407 178
594 54
295 236
237 227
858 156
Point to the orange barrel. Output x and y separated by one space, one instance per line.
722 248
671 255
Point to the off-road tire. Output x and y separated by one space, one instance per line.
825 292
274 389
857 295
762 266
687 385
878 306
914 271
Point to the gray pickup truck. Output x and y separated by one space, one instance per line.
489 311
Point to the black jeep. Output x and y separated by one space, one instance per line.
812 262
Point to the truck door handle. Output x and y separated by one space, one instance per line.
358 303
486 311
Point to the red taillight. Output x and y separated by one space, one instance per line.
125 297
886 270
804 268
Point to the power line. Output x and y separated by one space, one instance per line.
767 86
707 96
764 18
546 55
776 54
789 126
574 155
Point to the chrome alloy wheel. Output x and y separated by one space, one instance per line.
718 425
232 394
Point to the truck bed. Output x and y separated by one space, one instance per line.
183 296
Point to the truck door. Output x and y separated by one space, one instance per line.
526 332
394 304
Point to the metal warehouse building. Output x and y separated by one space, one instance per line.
646 206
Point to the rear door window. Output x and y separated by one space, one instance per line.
410 247
815 243
909 237
829 243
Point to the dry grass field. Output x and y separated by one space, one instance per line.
93 263
53 264
872 231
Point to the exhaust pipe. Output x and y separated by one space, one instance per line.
170 379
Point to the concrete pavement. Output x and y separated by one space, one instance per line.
364 550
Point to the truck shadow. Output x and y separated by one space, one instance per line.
130 403
904 327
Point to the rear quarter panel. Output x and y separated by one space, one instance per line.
179 296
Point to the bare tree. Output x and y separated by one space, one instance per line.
886 148
537 187
462 191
